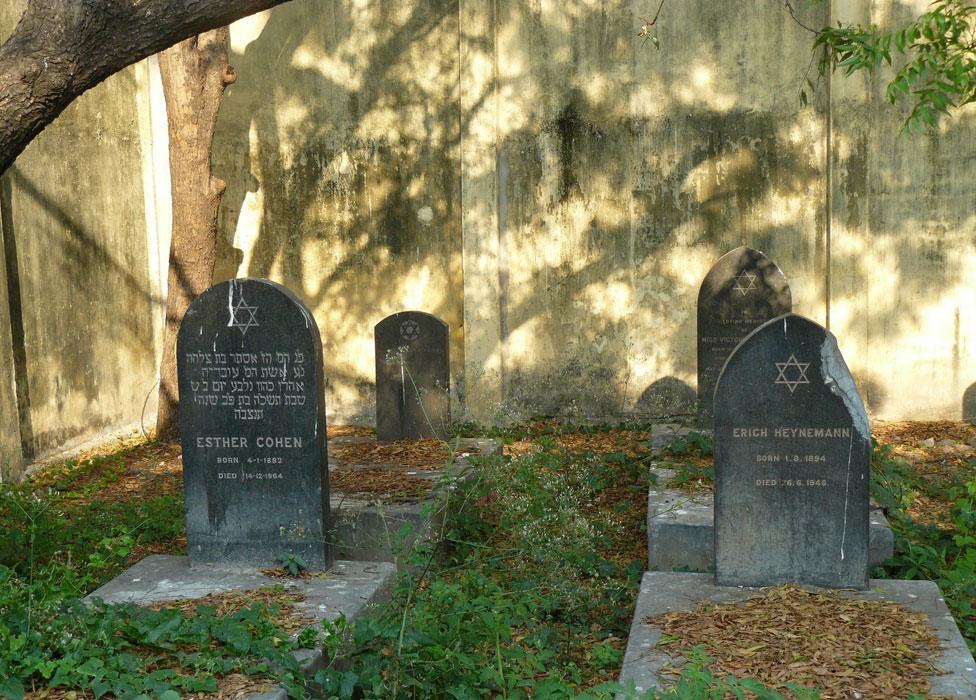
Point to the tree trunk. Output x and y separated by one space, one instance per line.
61 49
195 73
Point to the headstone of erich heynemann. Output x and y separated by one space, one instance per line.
413 377
743 290
792 457
252 416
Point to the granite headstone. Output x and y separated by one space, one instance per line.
413 373
252 417
792 455
969 404
743 290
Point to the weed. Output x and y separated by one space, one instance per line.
293 564
945 555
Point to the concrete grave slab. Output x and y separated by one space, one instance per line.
365 528
348 588
662 592
681 528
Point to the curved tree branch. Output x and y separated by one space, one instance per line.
61 49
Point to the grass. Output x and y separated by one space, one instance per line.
531 594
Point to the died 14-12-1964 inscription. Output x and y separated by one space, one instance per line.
792 452
252 418
743 290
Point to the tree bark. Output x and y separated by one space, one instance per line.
61 49
195 73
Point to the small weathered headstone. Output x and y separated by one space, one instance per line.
969 404
743 290
413 377
792 456
252 418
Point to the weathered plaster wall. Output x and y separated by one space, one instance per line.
75 207
903 233
530 171
620 174
11 455
340 146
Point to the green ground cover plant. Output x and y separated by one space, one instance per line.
530 595
943 553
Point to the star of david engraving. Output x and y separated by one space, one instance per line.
410 330
745 282
243 316
792 373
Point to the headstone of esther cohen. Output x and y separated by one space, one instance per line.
413 377
743 290
792 456
252 417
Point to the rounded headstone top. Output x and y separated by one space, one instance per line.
747 277
230 299
417 315
809 361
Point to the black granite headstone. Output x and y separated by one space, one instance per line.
743 290
252 416
969 404
413 377
792 456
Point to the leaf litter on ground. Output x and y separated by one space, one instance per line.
845 647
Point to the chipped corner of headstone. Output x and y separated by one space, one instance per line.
838 378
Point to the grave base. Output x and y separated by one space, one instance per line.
681 529
347 588
366 528
663 591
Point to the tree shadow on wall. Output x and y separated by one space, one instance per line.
342 157
347 181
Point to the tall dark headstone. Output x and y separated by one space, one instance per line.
252 416
743 290
413 377
792 456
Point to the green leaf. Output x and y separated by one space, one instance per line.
12 689
348 684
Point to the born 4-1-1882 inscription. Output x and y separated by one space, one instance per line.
792 450
252 419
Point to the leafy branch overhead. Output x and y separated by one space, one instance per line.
940 45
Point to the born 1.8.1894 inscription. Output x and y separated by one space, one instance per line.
252 421
743 290
792 453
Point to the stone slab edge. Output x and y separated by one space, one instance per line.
347 588
665 591
689 518
364 527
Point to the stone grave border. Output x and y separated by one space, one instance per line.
666 591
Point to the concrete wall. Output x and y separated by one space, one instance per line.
77 238
532 172
621 173
903 232
339 143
